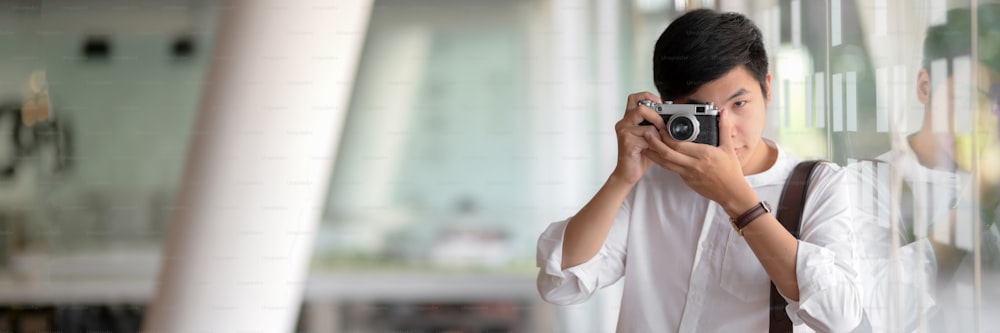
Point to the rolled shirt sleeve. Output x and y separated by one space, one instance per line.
576 284
829 291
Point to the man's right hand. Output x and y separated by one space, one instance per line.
588 230
632 139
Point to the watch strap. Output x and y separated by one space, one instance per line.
750 215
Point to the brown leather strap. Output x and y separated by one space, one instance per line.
750 215
793 199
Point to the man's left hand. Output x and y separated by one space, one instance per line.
714 172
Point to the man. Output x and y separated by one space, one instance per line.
666 207
935 187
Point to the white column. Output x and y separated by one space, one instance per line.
564 133
611 104
610 97
271 114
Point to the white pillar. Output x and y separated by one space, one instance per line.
568 131
271 114
563 127
611 103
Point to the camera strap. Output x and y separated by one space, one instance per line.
793 199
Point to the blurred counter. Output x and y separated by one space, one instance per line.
130 277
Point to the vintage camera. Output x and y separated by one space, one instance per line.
697 123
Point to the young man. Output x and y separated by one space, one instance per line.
936 189
662 219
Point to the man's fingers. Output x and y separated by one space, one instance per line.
633 99
636 113
636 116
651 116
665 149
663 162
635 136
725 131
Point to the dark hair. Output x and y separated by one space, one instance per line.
954 38
703 45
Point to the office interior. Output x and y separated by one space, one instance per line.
387 165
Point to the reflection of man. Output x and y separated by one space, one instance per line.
935 210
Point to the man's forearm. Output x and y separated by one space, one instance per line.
775 248
587 231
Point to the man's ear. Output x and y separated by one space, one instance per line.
924 87
767 83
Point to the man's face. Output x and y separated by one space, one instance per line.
966 133
739 95
980 133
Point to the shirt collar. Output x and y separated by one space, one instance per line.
777 173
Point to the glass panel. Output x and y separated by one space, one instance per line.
797 116
902 94
475 131
924 198
436 161
98 109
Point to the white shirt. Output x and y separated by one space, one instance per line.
900 287
897 288
687 270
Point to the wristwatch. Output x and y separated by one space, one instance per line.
750 215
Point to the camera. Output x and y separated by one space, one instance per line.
697 123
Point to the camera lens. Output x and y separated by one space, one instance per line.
683 127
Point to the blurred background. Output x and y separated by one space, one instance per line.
466 127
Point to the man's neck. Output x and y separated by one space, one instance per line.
930 151
764 157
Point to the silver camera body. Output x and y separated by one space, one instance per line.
697 123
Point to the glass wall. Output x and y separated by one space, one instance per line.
98 103
903 94
98 106
901 91
474 124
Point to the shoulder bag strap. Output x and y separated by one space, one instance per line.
793 199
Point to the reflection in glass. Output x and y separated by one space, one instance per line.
457 123
927 207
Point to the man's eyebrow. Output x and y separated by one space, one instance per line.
738 93
741 92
